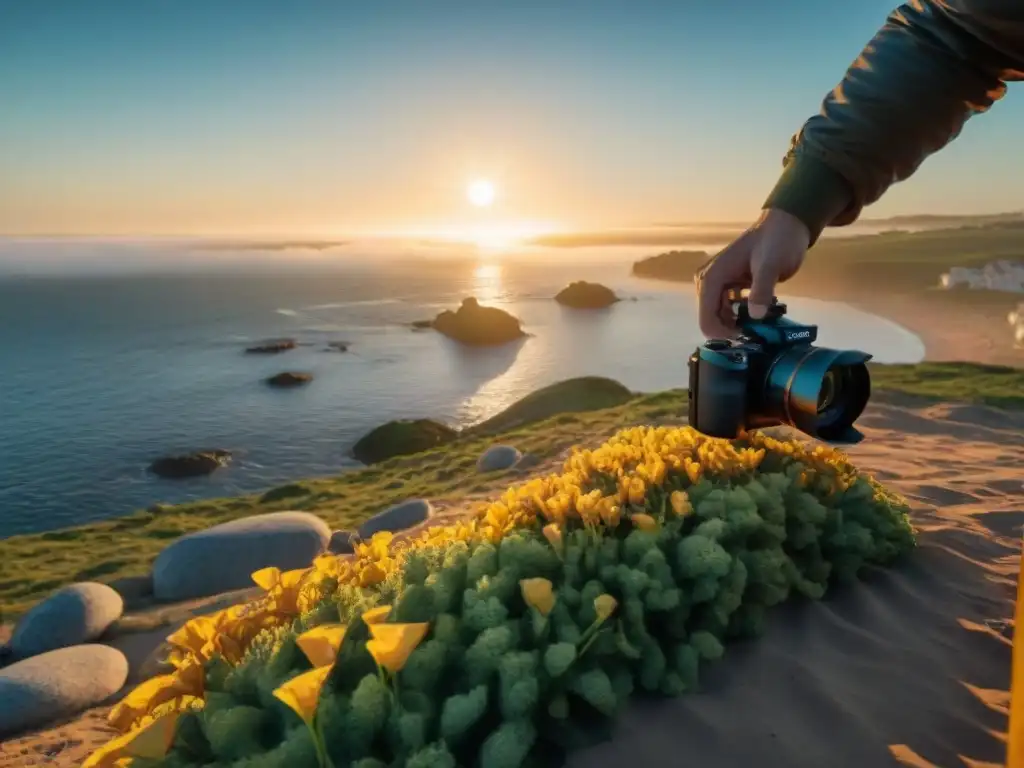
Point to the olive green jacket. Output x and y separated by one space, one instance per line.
933 65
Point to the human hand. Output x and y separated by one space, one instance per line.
770 252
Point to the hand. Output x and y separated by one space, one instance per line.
770 252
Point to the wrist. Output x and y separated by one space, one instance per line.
810 191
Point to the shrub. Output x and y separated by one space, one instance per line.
517 636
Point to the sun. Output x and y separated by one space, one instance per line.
481 193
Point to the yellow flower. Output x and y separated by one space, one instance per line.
644 522
303 692
392 644
539 594
681 503
611 512
321 644
188 680
554 535
637 490
152 741
604 606
376 615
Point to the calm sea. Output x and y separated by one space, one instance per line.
100 374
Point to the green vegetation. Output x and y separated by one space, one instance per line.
31 566
522 648
401 438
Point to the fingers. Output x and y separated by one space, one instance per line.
764 274
729 269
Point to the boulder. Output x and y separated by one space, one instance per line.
75 614
190 464
272 347
222 558
477 325
497 458
289 379
584 295
341 543
58 684
397 518
401 438
134 590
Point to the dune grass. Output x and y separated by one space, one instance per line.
31 566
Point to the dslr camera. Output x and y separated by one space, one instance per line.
771 375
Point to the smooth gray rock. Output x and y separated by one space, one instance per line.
134 590
59 684
223 558
341 543
75 614
397 518
497 458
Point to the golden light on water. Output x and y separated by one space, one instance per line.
488 287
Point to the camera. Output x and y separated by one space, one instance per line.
771 375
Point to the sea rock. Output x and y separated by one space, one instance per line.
477 325
672 265
272 347
584 295
289 379
75 614
341 543
401 438
337 346
397 518
497 458
58 684
222 558
190 464
421 325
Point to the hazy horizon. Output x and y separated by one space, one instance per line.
259 119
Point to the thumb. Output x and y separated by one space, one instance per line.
764 274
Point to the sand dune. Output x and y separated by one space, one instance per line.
909 667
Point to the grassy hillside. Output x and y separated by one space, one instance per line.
31 566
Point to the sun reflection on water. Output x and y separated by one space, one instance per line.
488 286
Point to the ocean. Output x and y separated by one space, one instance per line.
101 373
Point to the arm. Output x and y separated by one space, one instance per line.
933 65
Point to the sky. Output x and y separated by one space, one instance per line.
330 117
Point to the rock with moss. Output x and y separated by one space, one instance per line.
586 393
187 465
584 295
401 438
476 325
287 379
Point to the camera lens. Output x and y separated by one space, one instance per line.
820 391
830 389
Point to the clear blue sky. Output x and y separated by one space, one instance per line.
256 116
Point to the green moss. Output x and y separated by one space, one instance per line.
31 566
400 438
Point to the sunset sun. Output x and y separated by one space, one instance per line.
481 193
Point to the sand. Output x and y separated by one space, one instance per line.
909 667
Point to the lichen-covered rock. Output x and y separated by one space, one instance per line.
401 438
222 558
584 295
397 518
497 458
477 325
75 614
58 684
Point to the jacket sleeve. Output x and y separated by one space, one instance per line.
933 65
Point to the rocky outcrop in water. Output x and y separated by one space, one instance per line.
583 295
673 265
272 347
289 379
478 325
190 464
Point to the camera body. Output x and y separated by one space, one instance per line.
772 374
